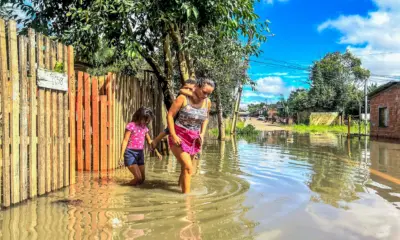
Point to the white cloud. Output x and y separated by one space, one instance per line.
375 38
246 104
249 94
296 76
269 74
270 85
272 1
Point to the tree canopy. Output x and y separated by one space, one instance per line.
162 32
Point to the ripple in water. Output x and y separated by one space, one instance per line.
265 188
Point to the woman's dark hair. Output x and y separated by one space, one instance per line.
142 113
201 82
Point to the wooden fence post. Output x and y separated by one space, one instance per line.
66 121
109 122
33 166
60 122
79 136
103 133
47 112
41 124
23 118
88 158
14 77
5 110
54 124
95 123
72 120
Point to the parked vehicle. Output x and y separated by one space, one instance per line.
261 118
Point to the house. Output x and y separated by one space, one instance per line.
385 111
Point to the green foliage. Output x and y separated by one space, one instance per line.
298 100
336 82
354 128
59 67
252 108
241 129
248 130
117 33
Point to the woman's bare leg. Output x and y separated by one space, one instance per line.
186 163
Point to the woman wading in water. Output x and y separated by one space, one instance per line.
187 132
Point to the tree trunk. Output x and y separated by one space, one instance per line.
183 65
236 110
237 105
221 125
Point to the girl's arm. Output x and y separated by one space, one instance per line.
176 106
148 139
124 144
186 92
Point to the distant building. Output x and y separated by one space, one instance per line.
385 111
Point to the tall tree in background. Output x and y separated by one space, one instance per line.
334 81
221 60
162 32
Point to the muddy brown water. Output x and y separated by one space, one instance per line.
275 186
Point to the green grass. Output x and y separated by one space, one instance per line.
326 129
241 129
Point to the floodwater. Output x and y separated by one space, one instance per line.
275 186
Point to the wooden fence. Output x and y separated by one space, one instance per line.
104 105
35 152
47 134
132 93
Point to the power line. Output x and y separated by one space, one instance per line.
296 67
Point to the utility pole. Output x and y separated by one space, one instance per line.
366 105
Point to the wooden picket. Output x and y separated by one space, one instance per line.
6 103
79 123
35 152
87 135
95 124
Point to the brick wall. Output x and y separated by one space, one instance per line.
389 98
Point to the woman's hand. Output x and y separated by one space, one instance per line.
153 145
176 140
201 139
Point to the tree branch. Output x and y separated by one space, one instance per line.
150 60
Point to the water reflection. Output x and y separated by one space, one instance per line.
278 185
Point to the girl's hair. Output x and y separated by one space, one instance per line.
190 81
143 113
201 82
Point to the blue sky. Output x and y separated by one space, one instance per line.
305 30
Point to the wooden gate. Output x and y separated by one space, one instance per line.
104 105
36 157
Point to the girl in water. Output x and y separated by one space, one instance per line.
132 146
187 131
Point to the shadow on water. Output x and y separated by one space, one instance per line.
277 185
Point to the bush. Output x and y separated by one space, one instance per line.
248 130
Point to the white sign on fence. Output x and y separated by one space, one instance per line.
52 80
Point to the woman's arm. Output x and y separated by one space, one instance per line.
176 106
205 123
124 144
148 139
